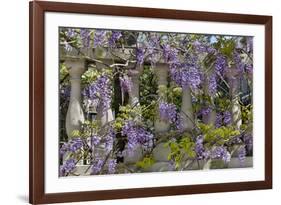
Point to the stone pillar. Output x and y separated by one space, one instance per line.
134 93
105 116
161 71
234 82
186 109
75 115
236 108
133 156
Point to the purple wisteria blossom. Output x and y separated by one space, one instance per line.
75 144
249 68
152 46
219 119
220 152
85 37
99 38
242 154
194 78
205 111
65 92
199 147
112 166
67 167
153 42
97 165
186 75
147 48
125 83
170 54
179 122
140 55
63 149
115 36
95 140
168 112
199 47
221 64
227 118
136 135
72 146
203 47
109 139
70 33
212 84
100 90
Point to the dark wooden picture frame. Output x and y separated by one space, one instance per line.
37 10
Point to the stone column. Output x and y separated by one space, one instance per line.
134 93
236 108
138 153
186 109
161 71
234 82
75 115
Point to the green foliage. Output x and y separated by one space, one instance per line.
222 104
162 91
90 76
148 93
76 133
247 118
217 136
118 124
146 162
63 71
149 111
176 153
247 113
188 146
148 85
129 112
174 95
87 129
181 149
225 45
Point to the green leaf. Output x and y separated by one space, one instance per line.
145 163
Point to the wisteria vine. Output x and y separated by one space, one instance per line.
215 70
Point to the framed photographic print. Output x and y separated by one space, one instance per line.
139 102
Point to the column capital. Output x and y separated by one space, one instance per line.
76 67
